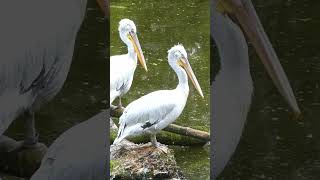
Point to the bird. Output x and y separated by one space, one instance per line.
37 43
77 154
232 87
152 112
122 67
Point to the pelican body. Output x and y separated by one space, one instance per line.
233 87
77 154
155 111
122 67
37 42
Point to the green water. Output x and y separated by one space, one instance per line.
84 92
273 145
160 25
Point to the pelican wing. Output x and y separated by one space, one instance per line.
115 72
149 110
119 77
36 52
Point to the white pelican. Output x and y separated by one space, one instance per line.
153 112
37 42
77 154
233 87
122 67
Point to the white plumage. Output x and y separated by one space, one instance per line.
37 43
233 87
122 67
153 112
77 154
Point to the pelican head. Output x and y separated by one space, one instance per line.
128 34
178 58
242 12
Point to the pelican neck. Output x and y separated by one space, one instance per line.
183 79
132 54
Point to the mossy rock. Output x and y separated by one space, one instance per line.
18 160
143 161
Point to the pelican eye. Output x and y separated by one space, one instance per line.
177 54
130 32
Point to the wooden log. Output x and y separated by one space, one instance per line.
187 131
163 137
173 128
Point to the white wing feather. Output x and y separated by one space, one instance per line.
151 108
155 111
121 76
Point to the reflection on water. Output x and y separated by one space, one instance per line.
274 146
160 25
83 93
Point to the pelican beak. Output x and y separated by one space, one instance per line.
137 48
245 14
184 63
103 5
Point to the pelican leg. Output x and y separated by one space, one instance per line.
157 145
119 102
31 135
154 140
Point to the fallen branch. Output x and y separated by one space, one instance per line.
187 131
173 128
163 137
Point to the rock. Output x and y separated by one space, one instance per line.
18 160
143 161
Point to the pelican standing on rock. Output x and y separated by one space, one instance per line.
122 67
233 87
37 43
155 111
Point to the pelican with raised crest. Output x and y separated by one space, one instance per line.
122 67
155 111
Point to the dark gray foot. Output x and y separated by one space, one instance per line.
158 145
